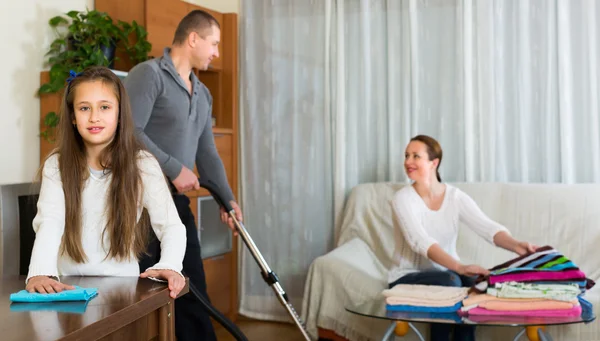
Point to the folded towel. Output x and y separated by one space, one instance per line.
427 292
393 300
497 303
546 264
558 292
411 308
534 276
451 317
77 294
575 311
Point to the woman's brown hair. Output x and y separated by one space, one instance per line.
434 151
127 235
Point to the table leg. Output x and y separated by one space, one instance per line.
534 333
521 332
416 331
166 324
389 332
543 335
390 335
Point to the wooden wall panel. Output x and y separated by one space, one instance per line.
162 18
48 102
213 80
128 10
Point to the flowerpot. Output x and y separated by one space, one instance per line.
109 53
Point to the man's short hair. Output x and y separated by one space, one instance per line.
198 21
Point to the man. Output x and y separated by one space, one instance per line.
172 112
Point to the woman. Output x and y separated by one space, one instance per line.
428 213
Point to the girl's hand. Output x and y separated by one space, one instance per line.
176 281
472 270
46 285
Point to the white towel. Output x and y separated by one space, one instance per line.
425 295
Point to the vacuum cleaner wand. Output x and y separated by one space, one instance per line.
268 275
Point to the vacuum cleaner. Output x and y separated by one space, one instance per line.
268 275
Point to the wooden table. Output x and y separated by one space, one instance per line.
126 308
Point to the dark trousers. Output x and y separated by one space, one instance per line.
440 331
192 322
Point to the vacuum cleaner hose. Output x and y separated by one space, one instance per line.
217 315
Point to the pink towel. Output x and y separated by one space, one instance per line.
537 276
575 311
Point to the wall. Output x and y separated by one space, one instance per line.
25 37
225 6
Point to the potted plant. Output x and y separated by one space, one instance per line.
86 38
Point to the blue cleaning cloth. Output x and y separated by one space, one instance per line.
417 309
72 307
78 294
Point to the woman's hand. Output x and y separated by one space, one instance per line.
507 242
176 281
472 270
46 285
524 248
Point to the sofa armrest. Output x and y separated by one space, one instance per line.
348 275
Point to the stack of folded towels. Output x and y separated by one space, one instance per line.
541 284
424 298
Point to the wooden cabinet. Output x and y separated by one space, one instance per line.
160 18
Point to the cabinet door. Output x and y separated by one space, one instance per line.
224 144
219 281
162 18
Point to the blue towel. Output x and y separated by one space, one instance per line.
443 317
412 308
72 307
77 294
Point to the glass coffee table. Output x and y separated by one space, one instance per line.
402 321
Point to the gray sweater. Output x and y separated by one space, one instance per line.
173 124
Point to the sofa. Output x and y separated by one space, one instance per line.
566 217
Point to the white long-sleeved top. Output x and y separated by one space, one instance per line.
422 227
49 224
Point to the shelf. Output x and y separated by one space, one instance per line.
120 74
217 130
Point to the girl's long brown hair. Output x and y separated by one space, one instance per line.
127 235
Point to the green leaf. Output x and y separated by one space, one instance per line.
57 21
46 89
73 14
57 71
51 119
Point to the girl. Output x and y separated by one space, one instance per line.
428 213
99 193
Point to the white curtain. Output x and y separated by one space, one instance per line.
286 153
337 88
